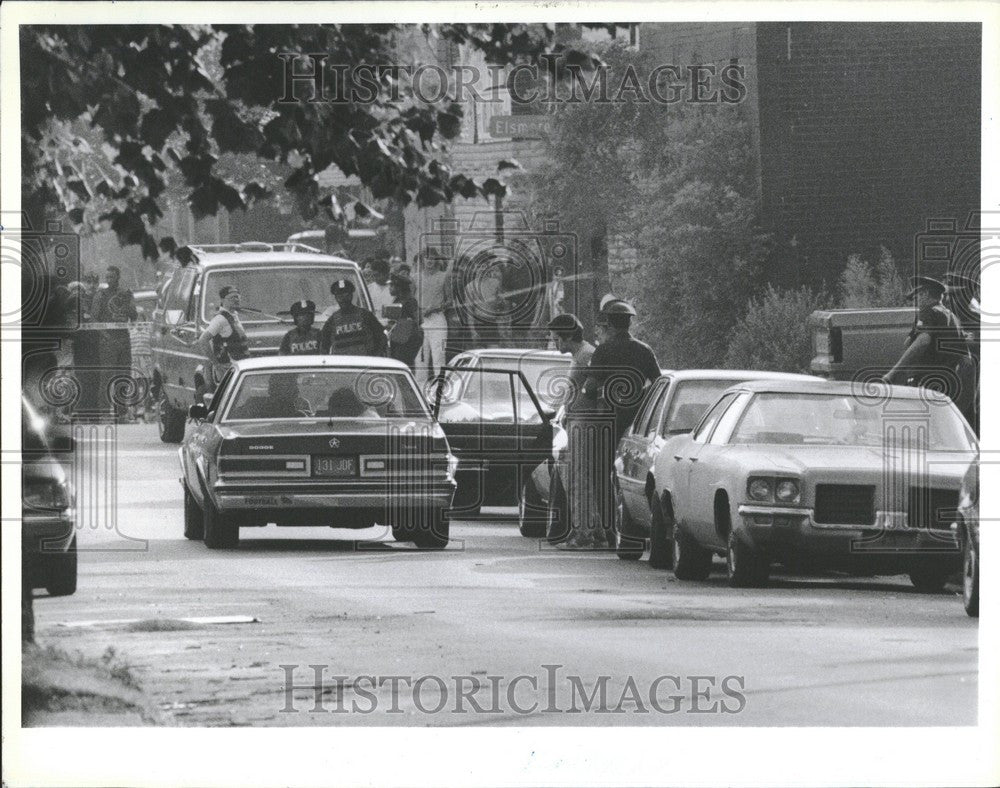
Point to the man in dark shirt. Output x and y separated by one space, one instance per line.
352 330
620 369
935 343
303 340
115 305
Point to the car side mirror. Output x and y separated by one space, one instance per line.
198 412
174 317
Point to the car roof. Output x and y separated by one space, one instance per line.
840 387
518 352
263 254
738 375
320 362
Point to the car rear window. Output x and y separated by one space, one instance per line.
327 393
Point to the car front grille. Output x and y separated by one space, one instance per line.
931 507
852 504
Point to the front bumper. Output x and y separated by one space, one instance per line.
787 530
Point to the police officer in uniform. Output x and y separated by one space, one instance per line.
936 343
303 340
352 330
224 339
963 298
620 369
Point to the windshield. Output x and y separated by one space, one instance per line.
272 291
838 420
327 393
690 400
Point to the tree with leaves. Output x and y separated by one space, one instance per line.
165 99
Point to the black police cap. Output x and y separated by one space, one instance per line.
303 307
342 286
925 283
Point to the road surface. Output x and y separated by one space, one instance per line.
495 630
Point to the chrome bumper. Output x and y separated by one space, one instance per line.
438 495
884 520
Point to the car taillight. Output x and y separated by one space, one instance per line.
47 494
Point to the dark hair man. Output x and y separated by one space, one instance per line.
114 304
303 340
351 330
567 333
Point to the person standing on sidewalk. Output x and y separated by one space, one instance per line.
434 297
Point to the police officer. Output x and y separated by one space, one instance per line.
303 340
224 339
351 330
963 298
935 343
620 369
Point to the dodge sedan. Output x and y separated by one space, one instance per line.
817 475
340 441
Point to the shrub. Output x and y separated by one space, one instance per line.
772 335
864 287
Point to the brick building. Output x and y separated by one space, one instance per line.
864 131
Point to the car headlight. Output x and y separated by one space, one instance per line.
48 494
786 490
760 488
560 441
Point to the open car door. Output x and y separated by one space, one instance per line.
497 428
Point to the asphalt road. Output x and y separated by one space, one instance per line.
381 634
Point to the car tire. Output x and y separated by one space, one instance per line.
528 503
661 528
970 576
171 422
691 560
627 547
928 579
194 520
745 567
220 530
61 571
430 531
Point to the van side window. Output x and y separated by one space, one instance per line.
179 294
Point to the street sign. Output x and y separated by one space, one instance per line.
534 127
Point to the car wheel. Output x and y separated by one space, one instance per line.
430 531
691 560
61 572
171 422
194 520
929 580
745 567
528 504
661 528
970 576
221 530
627 547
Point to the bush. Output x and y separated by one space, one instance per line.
772 335
862 287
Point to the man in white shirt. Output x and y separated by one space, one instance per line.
376 274
434 296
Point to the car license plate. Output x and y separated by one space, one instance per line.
329 465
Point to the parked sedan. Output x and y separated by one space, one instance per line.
341 441
817 475
48 521
671 407
967 531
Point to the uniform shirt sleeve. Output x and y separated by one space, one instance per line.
286 345
215 327
326 337
651 368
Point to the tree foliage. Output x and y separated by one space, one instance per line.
178 99
864 286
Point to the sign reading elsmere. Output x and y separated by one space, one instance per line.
533 127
